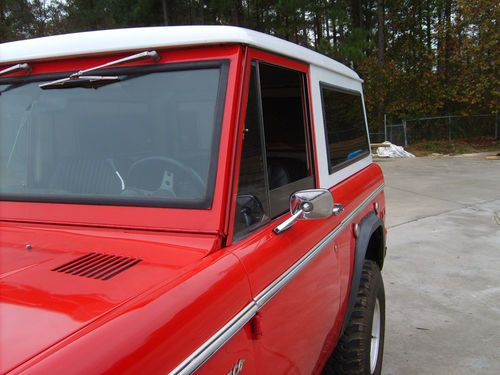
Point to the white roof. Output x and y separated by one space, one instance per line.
95 42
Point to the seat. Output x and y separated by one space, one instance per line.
278 174
284 170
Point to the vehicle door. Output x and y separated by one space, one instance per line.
294 275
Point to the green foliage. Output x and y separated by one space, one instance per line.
438 56
16 20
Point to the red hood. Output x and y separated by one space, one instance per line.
40 306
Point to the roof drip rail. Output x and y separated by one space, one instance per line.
73 79
16 68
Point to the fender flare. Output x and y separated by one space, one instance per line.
367 226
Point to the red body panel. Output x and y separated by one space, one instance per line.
40 307
149 305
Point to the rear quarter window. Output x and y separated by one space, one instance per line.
345 128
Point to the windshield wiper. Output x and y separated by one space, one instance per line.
79 79
16 68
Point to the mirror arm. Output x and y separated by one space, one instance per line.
338 208
288 222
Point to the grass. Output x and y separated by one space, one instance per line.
455 147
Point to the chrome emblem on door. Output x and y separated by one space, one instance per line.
237 368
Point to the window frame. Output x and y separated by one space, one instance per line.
262 57
221 64
328 86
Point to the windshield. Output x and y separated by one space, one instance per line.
150 138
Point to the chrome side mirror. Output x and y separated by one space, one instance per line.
307 205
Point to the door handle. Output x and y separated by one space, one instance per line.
338 208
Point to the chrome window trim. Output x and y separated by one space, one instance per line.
214 343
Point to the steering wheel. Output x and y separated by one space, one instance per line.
161 175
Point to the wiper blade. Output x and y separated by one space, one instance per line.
80 81
16 68
76 79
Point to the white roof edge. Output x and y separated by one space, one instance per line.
96 42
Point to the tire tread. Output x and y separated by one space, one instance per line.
349 357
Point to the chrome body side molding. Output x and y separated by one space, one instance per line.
212 345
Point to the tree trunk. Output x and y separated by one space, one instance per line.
439 57
447 50
165 14
380 62
428 27
380 39
304 28
356 13
319 31
327 21
236 13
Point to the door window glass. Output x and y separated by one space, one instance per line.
288 164
345 128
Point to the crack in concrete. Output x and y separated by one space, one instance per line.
475 206
425 195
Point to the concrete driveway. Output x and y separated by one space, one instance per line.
442 271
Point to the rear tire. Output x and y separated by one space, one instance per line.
360 349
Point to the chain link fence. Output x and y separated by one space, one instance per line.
439 128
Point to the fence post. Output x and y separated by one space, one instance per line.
496 125
385 127
404 132
391 132
449 128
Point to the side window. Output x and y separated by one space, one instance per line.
345 129
275 159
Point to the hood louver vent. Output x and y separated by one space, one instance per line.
97 266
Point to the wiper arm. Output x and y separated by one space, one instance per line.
79 78
16 68
137 57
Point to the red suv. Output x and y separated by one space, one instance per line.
186 199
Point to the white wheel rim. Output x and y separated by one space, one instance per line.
375 341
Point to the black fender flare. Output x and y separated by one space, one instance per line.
367 226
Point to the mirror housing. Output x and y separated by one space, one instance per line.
307 205
316 203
